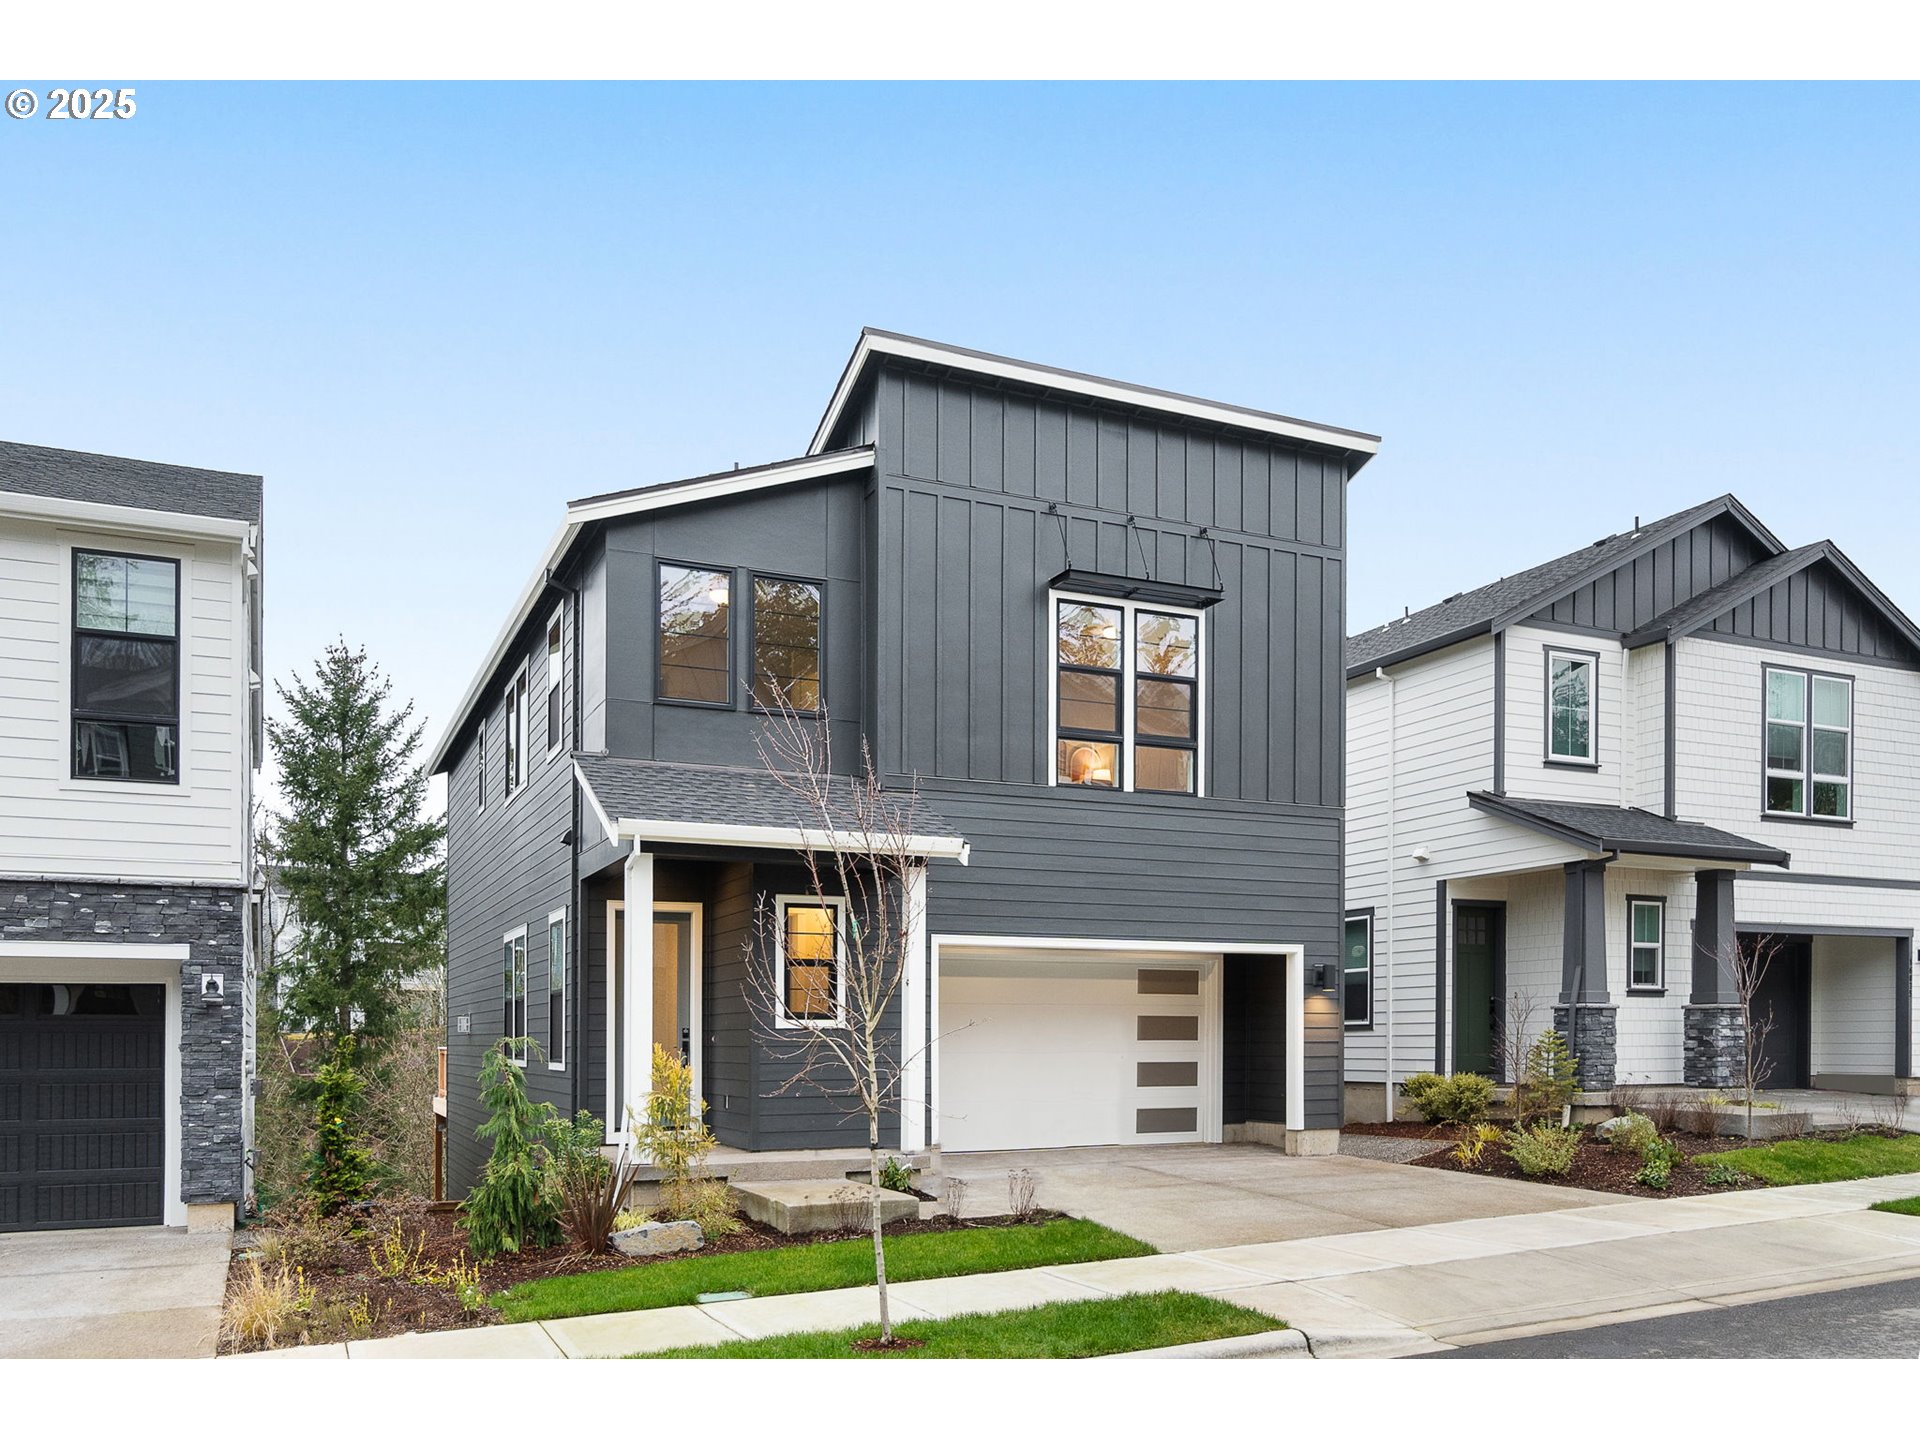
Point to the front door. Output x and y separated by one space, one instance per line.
674 988
1477 967
1781 1010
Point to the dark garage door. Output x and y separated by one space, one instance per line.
82 1105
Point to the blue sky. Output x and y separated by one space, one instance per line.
431 314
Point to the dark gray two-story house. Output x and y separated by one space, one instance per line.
1094 629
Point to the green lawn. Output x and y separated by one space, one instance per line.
1809 1162
1064 1330
1909 1206
831 1265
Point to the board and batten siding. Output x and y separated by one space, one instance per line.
59 827
506 868
1816 609
1641 590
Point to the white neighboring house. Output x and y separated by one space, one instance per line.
130 732
1572 793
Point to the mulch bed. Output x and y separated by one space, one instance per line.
394 1306
1596 1166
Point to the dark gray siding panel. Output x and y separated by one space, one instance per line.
1636 593
1817 609
728 1077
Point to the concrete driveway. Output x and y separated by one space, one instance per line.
1200 1197
111 1294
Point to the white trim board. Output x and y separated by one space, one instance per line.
93 514
1001 367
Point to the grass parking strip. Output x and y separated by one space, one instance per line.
1814 1162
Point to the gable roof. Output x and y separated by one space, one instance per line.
1710 605
614 505
1512 597
136 484
1626 829
874 344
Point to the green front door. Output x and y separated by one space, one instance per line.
1476 989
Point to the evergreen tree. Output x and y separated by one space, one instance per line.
361 864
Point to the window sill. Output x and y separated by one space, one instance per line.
1650 991
1561 763
694 704
1833 823
1358 1026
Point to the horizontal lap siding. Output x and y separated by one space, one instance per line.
1528 773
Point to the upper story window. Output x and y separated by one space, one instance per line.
1126 696
1358 971
480 766
811 984
554 649
515 750
513 1020
126 667
695 618
1809 745
1646 944
1573 697
786 644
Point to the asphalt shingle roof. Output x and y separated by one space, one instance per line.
115 480
1474 610
726 795
1625 828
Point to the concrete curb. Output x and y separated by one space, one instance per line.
1267 1345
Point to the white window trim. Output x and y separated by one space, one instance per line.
556 665
781 1019
518 933
1806 774
1366 1023
1592 662
515 725
1659 947
1050 651
559 917
480 758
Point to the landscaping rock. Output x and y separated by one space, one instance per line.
659 1237
1606 1128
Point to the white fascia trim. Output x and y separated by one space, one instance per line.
92 950
784 837
607 827
785 472
1164 947
1090 385
94 514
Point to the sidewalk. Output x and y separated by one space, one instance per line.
1377 1293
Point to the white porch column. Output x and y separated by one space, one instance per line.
916 1053
636 989
1297 1039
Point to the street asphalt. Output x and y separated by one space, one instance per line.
1873 1322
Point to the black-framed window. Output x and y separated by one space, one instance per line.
555 656
810 960
696 609
1357 971
557 990
514 752
126 667
1166 693
514 957
1089 648
1646 943
1573 700
786 644
1809 744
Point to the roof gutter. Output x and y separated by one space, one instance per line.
789 837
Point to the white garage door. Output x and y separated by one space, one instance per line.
1036 1051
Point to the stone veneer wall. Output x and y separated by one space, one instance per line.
1716 1047
1595 1047
212 1067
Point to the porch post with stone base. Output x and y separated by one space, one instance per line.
1584 1015
1716 1038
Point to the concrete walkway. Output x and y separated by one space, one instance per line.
1390 1292
112 1294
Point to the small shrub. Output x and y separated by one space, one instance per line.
1663 1109
1721 1173
270 1305
340 1171
953 1198
588 1188
1543 1148
1656 1168
512 1208
851 1209
1633 1133
671 1133
712 1205
304 1240
631 1220
1023 1188
1793 1124
896 1174
393 1258
1547 1079
461 1277
1472 1147
1463 1099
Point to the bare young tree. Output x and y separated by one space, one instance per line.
1748 960
1519 1024
824 984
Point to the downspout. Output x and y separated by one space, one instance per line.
1393 862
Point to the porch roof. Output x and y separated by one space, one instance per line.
1626 829
655 800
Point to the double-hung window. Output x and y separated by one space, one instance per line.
1809 745
514 1020
1126 696
516 747
126 667
1357 965
810 939
1573 695
554 649
786 644
557 990
696 608
1646 944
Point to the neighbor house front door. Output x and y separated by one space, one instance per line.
1478 967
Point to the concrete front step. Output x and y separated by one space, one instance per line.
804 1207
